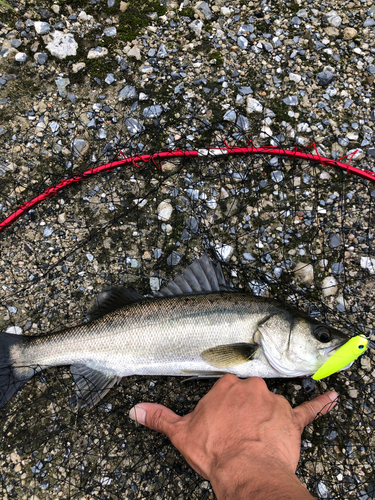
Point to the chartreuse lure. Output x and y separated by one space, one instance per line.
345 355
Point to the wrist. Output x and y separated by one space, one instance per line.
258 479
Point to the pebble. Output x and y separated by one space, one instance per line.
128 92
152 111
61 84
192 224
173 258
41 57
135 52
204 8
134 126
277 176
248 256
196 26
224 251
253 105
334 19
61 45
79 146
20 57
15 330
329 286
164 210
97 52
111 32
291 100
48 231
42 28
304 272
325 78
61 218
349 33
368 263
334 241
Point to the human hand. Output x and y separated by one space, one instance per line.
237 431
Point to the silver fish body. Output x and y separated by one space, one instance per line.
199 334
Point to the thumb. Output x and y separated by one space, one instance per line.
310 410
156 417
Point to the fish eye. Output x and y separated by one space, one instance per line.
322 334
361 346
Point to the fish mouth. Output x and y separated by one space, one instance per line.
328 351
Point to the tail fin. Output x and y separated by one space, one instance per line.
12 377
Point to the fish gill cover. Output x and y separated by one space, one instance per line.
282 227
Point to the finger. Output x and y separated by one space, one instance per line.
226 380
156 417
309 410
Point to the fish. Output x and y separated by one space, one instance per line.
195 326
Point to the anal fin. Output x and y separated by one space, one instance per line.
91 385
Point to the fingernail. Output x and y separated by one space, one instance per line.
333 395
138 414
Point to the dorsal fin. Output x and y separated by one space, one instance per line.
110 300
202 276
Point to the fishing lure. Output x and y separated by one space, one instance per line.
343 357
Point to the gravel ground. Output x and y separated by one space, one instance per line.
81 81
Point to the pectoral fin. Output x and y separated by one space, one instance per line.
91 385
227 356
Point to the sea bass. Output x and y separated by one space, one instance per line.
195 326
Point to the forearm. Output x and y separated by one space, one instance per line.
264 480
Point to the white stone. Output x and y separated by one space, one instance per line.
211 203
168 166
82 15
340 300
304 272
147 69
334 19
223 194
155 284
135 52
294 77
352 136
20 57
325 176
164 210
141 202
224 251
329 286
253 105
167 228
196 26
15 330
78 66
97 52
265 132
369 264
61 218
226 11
60 44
